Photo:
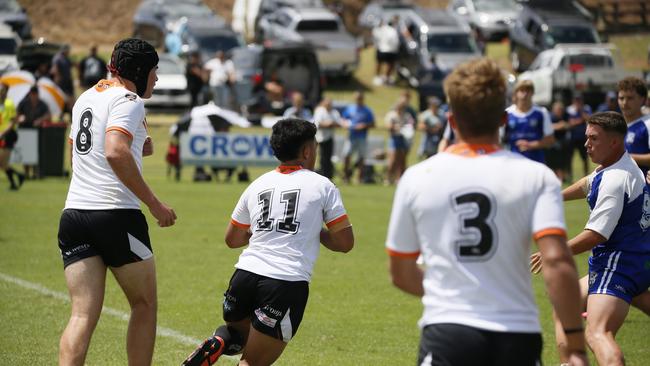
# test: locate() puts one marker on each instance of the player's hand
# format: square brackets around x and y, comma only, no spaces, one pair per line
[522,145]
[147,148]
[163,213]
[578,359]
[535,263]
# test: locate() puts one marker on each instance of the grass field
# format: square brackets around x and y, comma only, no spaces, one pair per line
[354,315]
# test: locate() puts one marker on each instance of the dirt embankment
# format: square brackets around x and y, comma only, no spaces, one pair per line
[82,23]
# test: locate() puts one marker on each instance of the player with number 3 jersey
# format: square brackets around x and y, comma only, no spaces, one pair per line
[280,217]
[470,213]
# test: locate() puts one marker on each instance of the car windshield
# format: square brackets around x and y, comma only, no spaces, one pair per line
[317,26]
[7,46]
[451,43]
[177,10]
[9,6]
[216,42]
[570,34]
[494,5]
[167,67]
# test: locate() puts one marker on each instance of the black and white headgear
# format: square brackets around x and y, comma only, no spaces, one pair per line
[133,59]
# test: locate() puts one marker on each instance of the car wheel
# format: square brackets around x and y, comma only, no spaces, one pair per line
[514,60]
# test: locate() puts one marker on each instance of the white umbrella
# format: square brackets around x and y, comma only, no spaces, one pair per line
[201,113]
[20,82]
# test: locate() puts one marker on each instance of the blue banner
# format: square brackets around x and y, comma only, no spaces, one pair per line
[226,149]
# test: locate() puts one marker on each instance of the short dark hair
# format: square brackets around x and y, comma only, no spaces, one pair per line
[633,84]
[288,137]
[610,122]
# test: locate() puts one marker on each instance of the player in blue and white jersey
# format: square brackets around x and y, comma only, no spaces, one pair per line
[616,232]
[529,130]
[632,94]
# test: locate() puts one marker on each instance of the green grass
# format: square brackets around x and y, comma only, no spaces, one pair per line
[354,315]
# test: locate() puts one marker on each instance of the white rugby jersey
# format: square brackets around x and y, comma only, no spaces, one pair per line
[285,210]
[471,213]
[106,106]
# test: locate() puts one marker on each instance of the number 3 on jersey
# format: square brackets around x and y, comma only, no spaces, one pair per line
[84,139]
[288,224]
[478,235]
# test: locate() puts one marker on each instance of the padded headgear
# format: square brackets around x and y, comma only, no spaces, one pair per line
[133,59]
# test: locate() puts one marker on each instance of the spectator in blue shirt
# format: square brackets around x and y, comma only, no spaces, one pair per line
[358,118]
[610,104]
[632,94]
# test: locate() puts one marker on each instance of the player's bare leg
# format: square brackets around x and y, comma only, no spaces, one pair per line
[642,302]
[261,350]
[85,280]
[391,172]
[560,337]
[605,315]
[347,172]
[229,340]
[138,281]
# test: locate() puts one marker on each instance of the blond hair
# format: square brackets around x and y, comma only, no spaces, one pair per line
[476,91]
[524,84]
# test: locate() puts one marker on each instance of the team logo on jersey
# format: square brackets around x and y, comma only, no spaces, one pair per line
[592,278]
[533,122]
[629,138]
[131,97]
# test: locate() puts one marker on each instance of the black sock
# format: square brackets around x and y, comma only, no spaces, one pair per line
[10,175]
[233,341]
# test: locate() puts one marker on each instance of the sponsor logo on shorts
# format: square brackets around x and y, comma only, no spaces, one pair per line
[77,249]
[273,311]
[265,319]
[620,288]
[592,278]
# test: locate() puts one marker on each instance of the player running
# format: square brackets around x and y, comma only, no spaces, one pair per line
[616,233]
[102,225]
[472,226]
[280,217]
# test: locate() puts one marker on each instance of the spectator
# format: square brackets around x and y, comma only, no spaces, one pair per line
[646,108]
[196,77]
[31,113]
[432,126]
[559,154]
[298,109]
[401,126]
[62,70]
[8,138]
[326,119]
[386,39]
[92,69]
[358,118]
[578,112]
[222,73]
[610,104]
[274,91]
[529,130]
[632,93]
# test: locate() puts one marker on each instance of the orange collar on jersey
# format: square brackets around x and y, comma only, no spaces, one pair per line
[288,169]
[105,84]
[472,150]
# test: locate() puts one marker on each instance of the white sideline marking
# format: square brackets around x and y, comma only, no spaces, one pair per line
[161,331]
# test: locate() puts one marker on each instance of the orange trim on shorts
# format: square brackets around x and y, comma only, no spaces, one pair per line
[288,169]
[239,224]
[472,150]
[120,129]
[393,253]
[550,231]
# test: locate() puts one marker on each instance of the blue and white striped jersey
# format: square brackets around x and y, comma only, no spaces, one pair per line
[637,140]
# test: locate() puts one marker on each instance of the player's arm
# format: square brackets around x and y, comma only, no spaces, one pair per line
[406,274]
[585,241]
[338,236]
[118,154]
[237,235]
[561,279]
[576,190]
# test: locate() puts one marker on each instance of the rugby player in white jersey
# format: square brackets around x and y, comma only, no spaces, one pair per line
[471,213]
[280,217]
[102,226]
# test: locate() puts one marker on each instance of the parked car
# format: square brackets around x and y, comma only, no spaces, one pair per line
[9,42]
[381,10]
[588,68]
[14,15]
[294,66]
[542,24]
[247,13]
[153,19]
[171,87]
[489,18]
[438,40]
[203,36]
[336,49]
